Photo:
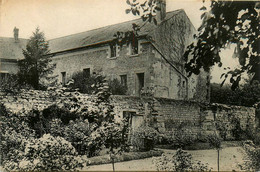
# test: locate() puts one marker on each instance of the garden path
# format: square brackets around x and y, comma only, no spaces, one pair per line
[230,157]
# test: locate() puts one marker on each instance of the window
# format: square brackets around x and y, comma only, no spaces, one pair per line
[86,72]
[63,75]
[113,50]
[140,82]
[123,80]
[134,49]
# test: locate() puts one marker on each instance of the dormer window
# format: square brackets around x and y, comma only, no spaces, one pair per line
[113,50]
[134,49]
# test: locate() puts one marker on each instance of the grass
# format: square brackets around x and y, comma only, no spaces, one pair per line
[125,156]
[201,145]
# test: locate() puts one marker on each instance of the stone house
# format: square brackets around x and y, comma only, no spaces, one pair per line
[10,53]
[153,65]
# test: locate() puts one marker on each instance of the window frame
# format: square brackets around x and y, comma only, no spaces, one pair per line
[113,50]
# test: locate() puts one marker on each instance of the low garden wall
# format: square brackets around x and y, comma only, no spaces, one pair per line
[187,117]
[166,115]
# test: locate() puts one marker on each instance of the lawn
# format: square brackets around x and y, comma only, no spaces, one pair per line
[230,157]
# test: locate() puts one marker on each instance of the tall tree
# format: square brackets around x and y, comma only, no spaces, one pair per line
[36,68]
[225,23]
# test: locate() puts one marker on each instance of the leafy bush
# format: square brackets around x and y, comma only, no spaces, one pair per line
[178,139]
[144,138]
[10,84]
[180,161]
[252,157]
[247,95]
[15,133]
[47,153]
[77,132]
[87,84]
[215,141]
[116,88]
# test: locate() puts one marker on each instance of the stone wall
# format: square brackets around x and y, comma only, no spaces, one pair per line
[196,119]
[166,115]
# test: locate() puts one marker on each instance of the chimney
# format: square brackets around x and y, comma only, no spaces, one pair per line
[161,14]
[16,34]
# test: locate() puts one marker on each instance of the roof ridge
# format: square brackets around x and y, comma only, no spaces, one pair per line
[178,10]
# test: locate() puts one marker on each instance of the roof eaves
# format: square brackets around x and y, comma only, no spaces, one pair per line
[87,46]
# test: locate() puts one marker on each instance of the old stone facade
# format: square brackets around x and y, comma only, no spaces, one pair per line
[153,65]
[156,68]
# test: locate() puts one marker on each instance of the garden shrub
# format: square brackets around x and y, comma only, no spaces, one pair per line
[116,88]
[180,161]
[77,132]
[82,128]
[15,133]
[47,153]
[251,156]
[178,139]
[144,138]
[87,84]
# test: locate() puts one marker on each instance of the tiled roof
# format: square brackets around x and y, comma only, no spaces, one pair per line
[9,49]
[101,34]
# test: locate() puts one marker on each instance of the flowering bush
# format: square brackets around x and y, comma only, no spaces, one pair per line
[144,138]
[47,153]
[76,131]
[180,161]
[14,135]
[44,137]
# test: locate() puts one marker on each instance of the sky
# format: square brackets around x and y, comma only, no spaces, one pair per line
[57,18]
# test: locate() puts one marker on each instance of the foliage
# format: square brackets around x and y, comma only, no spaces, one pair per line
[77,132]
[246,95]
[215,141]
[116,88]
[222,128]
[181,137]
[91,84]
[240,133]
[219,29]
[178,139]
[47,153]
[180,161]
[146,10]
[252,157]
[36,68]
[15,133]
[86,124]
[87,84]
[144,138]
